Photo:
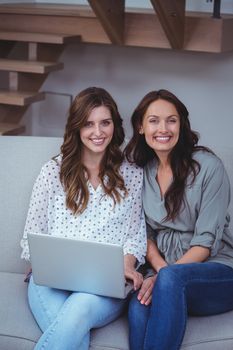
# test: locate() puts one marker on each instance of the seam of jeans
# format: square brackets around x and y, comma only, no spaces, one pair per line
[56,322]
[183,284]
[185,318]
[51,331]
[43,305]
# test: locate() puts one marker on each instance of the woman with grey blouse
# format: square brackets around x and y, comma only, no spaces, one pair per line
[87,192]
[190,248]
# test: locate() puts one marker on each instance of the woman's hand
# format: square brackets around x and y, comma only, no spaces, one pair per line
[145,292]
[135,277]
[130,271]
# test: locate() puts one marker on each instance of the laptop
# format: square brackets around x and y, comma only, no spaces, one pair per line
[77,265]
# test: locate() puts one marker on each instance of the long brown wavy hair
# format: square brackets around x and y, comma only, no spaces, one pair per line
[73,174]
[181,156]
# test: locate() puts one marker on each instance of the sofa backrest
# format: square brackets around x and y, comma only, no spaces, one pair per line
[21,158]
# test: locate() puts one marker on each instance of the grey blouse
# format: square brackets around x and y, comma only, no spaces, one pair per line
[203,220]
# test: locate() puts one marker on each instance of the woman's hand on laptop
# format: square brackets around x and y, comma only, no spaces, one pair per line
[135,277]
[131,273]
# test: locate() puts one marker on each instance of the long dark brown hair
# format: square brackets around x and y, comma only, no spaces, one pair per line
[181,156]
[73,173]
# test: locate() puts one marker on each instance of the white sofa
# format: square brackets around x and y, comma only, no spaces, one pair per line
[21,159]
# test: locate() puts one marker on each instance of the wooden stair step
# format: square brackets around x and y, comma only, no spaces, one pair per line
[11,129]
[47,9]
[29,66]
[40,37]
[20,98]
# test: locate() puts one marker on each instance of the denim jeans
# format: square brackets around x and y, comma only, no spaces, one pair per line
[199,289]
[66,318]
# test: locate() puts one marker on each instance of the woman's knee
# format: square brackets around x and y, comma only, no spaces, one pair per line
[80,304]
[137,313]
[86,306]
[168,278]
[92,310]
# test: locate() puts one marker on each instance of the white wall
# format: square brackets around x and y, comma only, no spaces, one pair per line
[204,82]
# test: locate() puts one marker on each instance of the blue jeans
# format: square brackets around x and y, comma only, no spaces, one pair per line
[199,289]
[66,318]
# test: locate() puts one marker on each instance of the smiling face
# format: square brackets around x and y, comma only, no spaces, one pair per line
[97,132]
[161,127]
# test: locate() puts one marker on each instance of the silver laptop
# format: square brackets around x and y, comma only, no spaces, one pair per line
[77,265]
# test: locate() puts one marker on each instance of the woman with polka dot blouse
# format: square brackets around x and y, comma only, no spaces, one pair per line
[87,192]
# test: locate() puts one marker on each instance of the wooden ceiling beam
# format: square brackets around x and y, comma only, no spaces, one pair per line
[203,33]
[171,14]
[111,16]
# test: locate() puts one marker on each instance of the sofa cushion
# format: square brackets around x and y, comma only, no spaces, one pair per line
[18,329]
[209,333]
[112,336]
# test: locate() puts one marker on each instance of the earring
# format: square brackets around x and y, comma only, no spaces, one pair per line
[141,131]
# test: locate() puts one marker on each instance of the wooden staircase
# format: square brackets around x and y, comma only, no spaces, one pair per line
[20,98]
[25,76]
